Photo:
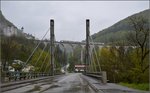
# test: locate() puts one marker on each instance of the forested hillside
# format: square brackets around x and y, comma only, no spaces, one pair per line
[118,31]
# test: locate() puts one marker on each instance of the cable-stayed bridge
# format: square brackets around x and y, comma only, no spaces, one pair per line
[50,79]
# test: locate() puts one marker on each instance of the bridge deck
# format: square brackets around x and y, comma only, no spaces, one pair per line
[70,83]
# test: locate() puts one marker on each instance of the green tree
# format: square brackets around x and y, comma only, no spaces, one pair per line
[9,50]
[139,38]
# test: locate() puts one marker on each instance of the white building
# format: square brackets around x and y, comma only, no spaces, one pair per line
[28,68]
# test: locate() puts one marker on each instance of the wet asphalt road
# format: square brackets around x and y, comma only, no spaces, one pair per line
[70,83]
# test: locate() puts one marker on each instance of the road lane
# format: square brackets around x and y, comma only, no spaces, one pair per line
[72,83]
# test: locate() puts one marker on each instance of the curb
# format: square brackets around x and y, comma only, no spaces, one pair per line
[91,85]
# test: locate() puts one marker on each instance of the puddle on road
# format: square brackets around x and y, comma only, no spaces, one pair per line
[39,85]
[36,88]
[69,87]
[50,87]
[77,89]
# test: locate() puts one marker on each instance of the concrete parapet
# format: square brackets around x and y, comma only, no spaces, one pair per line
[104,77]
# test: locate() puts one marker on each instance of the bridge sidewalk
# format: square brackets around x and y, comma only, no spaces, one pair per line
[109,87]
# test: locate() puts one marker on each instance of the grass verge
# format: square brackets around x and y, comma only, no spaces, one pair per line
[143,86]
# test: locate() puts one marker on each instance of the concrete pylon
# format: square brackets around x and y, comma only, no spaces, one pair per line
[52,38]
[87,56]
[81,56]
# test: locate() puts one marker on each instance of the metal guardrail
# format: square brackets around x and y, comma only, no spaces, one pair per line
[99,75]
[16,76]
[94,75]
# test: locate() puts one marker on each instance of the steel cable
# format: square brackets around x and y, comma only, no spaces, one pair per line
[40,55]
[36,48]
[44,61]
[96,55]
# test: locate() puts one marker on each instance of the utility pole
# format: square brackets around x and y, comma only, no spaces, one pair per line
[52,46]
[87,45]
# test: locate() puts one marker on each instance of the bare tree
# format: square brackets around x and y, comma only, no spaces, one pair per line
[140,37]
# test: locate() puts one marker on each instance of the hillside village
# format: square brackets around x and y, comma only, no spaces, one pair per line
[8,29]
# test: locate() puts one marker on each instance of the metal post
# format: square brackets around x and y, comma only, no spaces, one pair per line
[87,44]
[52,46]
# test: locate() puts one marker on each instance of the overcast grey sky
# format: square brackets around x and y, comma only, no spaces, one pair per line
[69,16]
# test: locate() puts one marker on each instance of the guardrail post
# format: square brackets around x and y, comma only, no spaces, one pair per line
[104,77]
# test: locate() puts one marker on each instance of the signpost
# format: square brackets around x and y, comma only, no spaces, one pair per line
[79,68]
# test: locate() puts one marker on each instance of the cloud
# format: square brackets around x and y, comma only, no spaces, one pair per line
[69,16]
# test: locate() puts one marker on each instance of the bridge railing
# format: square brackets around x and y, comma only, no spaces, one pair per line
[99,75]
[15,76]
